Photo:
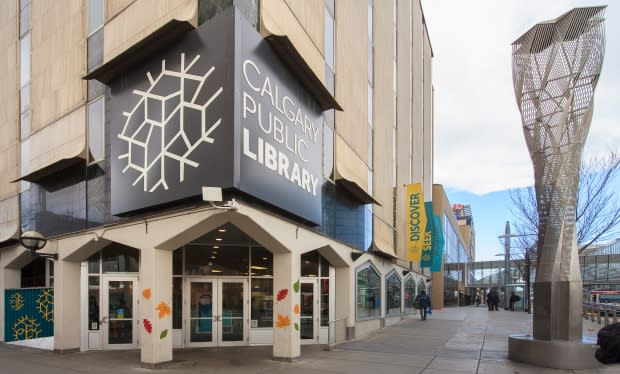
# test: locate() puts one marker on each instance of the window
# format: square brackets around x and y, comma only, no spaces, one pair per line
[393,288]
[96,143]
[409,295]
[118,258]
[262,302]
[368,293]
[329,39]
[95,15]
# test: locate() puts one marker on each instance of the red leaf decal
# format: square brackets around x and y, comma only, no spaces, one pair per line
[282,294]
[147,325]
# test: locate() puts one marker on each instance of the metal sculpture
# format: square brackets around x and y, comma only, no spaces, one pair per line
[555,67]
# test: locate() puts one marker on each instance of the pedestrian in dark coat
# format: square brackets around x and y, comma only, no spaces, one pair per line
[425,302]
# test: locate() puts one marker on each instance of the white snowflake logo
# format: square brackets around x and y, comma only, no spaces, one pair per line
[167,124]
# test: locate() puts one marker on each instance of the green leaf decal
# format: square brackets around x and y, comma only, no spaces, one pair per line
[296,326]
[296,286]
[163,334]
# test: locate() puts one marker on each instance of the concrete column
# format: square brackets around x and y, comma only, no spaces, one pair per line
[155,295]
[67,306]
[345,303]
[10,278]
[286,272]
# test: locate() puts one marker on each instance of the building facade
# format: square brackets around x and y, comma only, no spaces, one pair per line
[210,173]
[450,283]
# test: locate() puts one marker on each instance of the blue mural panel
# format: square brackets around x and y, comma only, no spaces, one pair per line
[28,313]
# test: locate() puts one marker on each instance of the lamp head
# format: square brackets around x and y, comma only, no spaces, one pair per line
[32,240]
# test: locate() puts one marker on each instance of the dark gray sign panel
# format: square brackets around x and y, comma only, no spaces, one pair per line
[217,109]
[280,128]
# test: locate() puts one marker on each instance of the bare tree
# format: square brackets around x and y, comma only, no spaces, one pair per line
[598,208]
[597,217]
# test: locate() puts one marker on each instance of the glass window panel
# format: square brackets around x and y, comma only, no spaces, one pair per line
[369,105]
[310,264]
[24,60]
[329,39]
[95,50]
[201,312]
[324,302]
[95,15]
[24,124]
[23,3]
[370,20]
[95,194]
[249,9]
[207,9]
[328,151]
[232,311]
[95,89]
[614,267]
[24,98]
[262,262]
[118,258]
[33,274]
[177,262]
[368,304]
[324,267]
[96,146]
[93,303]
[330,5]
[177,302]
[370,63]
[409,295]
[393,288]
[262,302]
[306,317]
[330,79]
[370,146]
[223,260]
[328,226]
[93,263]
[24,20]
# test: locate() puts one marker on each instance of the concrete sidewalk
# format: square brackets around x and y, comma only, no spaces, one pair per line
[453,340]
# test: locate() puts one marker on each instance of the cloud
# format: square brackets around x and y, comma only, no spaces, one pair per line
[479,145]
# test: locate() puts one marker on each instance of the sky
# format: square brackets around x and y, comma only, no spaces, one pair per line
[480,151]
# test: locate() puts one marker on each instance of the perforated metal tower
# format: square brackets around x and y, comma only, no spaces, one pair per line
[556,66]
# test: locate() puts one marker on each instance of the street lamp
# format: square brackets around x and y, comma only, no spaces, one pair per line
[34,241]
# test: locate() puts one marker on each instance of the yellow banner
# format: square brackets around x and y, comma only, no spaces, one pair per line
[416,221]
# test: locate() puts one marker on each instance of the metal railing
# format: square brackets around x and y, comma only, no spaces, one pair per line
[603,314]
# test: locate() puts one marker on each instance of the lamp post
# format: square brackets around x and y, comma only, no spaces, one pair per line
[35,241]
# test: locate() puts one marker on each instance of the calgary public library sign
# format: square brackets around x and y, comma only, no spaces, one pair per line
[217,109]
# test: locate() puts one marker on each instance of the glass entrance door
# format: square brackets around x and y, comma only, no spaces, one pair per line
[308,312]
[218,312]
[120,314]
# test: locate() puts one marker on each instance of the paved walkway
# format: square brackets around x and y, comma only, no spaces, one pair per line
[454,340]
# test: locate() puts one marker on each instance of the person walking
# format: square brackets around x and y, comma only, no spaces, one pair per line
[477,300]
[493,300]
[425,303]
[513,299]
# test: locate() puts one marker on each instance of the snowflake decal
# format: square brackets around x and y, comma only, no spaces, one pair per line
[16,302]
[45,305]
[26,328]
[168,124]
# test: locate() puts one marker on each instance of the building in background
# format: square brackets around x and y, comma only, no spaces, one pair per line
[122,122]
[450,284]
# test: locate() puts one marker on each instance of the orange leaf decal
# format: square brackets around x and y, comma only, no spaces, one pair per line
[283,321]
[163,309]
[147,293]
[296,309]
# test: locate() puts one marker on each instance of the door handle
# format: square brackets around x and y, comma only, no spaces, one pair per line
[104,319]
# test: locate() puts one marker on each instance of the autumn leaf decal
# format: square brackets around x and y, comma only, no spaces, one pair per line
[146,293]
[282,294]
[296,286]
[296,326]
[147,325]
[163,334]
[296,309]
[163,309]
[282,321]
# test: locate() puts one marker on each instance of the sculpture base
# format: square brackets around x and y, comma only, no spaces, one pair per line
[556,354]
